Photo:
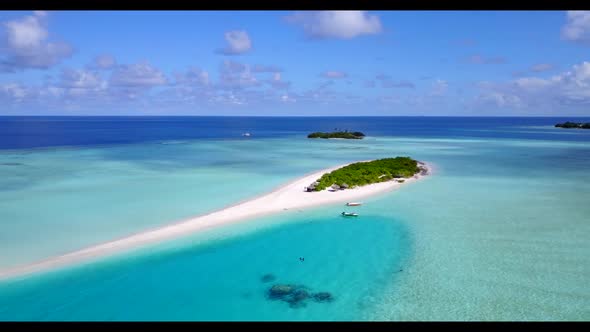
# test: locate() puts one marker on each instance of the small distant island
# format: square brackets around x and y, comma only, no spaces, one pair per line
[338,134]
[364,173]
[578,125]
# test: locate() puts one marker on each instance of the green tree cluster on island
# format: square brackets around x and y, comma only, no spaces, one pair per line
[363,173]
[574,125]
[338,134]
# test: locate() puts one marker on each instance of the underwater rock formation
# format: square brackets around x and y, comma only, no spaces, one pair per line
[268,277]
[323,297]
[296,296]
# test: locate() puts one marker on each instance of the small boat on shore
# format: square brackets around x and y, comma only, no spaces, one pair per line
[354,204]
[349,214]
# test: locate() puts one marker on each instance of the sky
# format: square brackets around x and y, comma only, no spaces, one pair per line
[278,63]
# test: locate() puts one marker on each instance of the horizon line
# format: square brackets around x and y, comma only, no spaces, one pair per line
[307,116]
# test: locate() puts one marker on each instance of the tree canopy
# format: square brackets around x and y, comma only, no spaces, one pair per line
[363,173]
[337,134]
[573,125]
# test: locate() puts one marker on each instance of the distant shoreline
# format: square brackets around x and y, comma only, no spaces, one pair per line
[337,134]
[289,196]
[573,125]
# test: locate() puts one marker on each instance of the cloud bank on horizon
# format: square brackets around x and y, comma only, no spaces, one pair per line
[298,63]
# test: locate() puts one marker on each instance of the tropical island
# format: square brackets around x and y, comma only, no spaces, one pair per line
[578,125]
[338,134]
[285,198]
[368,172]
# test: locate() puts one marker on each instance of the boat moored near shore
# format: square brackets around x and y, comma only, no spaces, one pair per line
[350,214]
[354,204]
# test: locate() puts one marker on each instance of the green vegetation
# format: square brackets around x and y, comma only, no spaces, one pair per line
[363,173]
[338,134]
[573,125]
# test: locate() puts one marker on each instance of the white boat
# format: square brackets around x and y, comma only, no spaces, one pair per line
[354,204]
[349,214]
[246,134]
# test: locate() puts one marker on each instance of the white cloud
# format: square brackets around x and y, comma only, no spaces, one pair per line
[439,88]
[571,87]
[400,84]
[340,24]
[40,13]
[229,66]
[577,27]
[369,84]
[236,84]
[238,42]
[541,67]
[288,99]
[51,91]
[387,82]
[479,59]
[389,100]
[278,83]
[334,74]
[266,69]
[383,77]
[234,75]
[15,92]
[25,33]
[78,82]
[104,61]
[499,99]
[137,75]
[194,76]
[27,44]
[531,83]
[575,84]
[81,79]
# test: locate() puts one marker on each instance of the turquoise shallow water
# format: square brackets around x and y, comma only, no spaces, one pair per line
[499,232]
[221,280]
[68,198]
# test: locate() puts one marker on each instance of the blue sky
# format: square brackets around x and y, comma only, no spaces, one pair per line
[295,63]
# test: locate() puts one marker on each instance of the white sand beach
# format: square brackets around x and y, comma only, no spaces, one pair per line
[289,196]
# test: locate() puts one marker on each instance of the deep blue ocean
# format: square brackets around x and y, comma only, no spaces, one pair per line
[40,131]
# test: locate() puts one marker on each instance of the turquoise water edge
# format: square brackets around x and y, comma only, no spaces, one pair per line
[498,232]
